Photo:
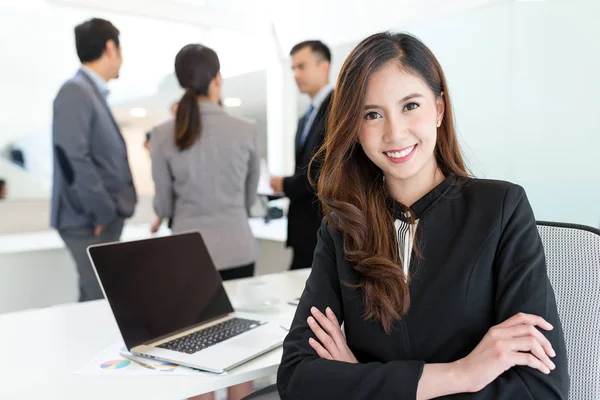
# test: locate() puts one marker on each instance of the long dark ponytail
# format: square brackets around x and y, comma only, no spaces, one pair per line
[195,67]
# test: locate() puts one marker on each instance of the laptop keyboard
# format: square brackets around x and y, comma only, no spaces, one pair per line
[210,336]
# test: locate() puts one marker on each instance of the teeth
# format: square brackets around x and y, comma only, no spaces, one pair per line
[399,154]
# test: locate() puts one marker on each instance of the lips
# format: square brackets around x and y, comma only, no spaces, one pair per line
[401,155]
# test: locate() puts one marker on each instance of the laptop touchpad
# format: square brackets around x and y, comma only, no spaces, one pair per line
[256,340]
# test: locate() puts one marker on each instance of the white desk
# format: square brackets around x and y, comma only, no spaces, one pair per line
[274,230]
[41,350]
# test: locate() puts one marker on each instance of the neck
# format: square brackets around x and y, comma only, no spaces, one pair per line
[97,68]
[315,92]
[213,96]
[204,99]
[408,191]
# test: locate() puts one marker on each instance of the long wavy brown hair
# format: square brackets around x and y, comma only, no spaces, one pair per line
[350,186]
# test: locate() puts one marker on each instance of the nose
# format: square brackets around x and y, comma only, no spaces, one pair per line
[396,130]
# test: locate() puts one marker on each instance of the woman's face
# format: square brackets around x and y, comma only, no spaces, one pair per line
[401,115]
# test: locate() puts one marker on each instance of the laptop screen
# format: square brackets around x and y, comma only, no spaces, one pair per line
[158,286]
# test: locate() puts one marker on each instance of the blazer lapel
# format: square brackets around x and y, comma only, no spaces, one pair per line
[308,143]
[301,124]
[103,101]
[317,124]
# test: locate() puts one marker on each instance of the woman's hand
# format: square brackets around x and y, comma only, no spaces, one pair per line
[504,346]
[332,343]
[155,226]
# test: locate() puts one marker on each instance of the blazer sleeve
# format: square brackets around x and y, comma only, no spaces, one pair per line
[304,375]
[253,171]
[72,126]
[163,180]
[523,286]
[297,186]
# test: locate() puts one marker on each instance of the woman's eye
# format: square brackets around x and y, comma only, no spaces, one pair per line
[411,106]
[372,115]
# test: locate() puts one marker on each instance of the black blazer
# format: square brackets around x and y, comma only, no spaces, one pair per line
[482,262]
[305,214]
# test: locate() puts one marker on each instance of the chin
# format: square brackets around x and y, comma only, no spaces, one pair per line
[401,176]
[401,172]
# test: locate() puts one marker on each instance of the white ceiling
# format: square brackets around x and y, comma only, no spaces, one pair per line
[333,21]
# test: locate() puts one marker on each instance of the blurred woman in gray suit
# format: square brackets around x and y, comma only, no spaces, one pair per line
[205,166]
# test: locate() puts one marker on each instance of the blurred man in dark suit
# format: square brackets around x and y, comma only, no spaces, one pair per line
[311,63]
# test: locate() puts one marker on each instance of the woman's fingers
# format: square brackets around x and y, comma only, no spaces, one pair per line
[321,352]
[331,315]
[529,360]
[523,318]
[326,341]
[330,327]
[530,330]
[524,344]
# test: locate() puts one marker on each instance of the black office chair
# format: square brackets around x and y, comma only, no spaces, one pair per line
[573,260]
[267,393]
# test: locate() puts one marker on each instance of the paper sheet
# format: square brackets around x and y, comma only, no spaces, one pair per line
[110,362]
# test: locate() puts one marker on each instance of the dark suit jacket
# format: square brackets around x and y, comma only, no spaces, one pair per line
[482,261]
[92,180]
[305,214]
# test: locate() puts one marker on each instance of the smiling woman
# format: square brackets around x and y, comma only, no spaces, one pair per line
[439,279]
[395,127]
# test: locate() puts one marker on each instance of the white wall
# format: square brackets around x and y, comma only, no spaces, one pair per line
[523,78]
[44,57]
[23,183]
[524,81]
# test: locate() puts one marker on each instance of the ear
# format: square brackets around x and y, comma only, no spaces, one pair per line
[441,107]
[325,66]
[111,48]
[218,79]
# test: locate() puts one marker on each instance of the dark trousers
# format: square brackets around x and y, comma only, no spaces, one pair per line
[77,240]
[244,271]
[302,257]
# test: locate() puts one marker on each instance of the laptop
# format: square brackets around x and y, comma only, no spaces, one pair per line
[169,302]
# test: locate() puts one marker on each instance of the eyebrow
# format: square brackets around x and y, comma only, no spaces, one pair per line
[402,100]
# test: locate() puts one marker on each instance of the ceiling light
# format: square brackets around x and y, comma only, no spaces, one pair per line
[138,112]
[232,102]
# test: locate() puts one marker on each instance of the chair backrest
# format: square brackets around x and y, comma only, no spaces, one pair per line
[573,260]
